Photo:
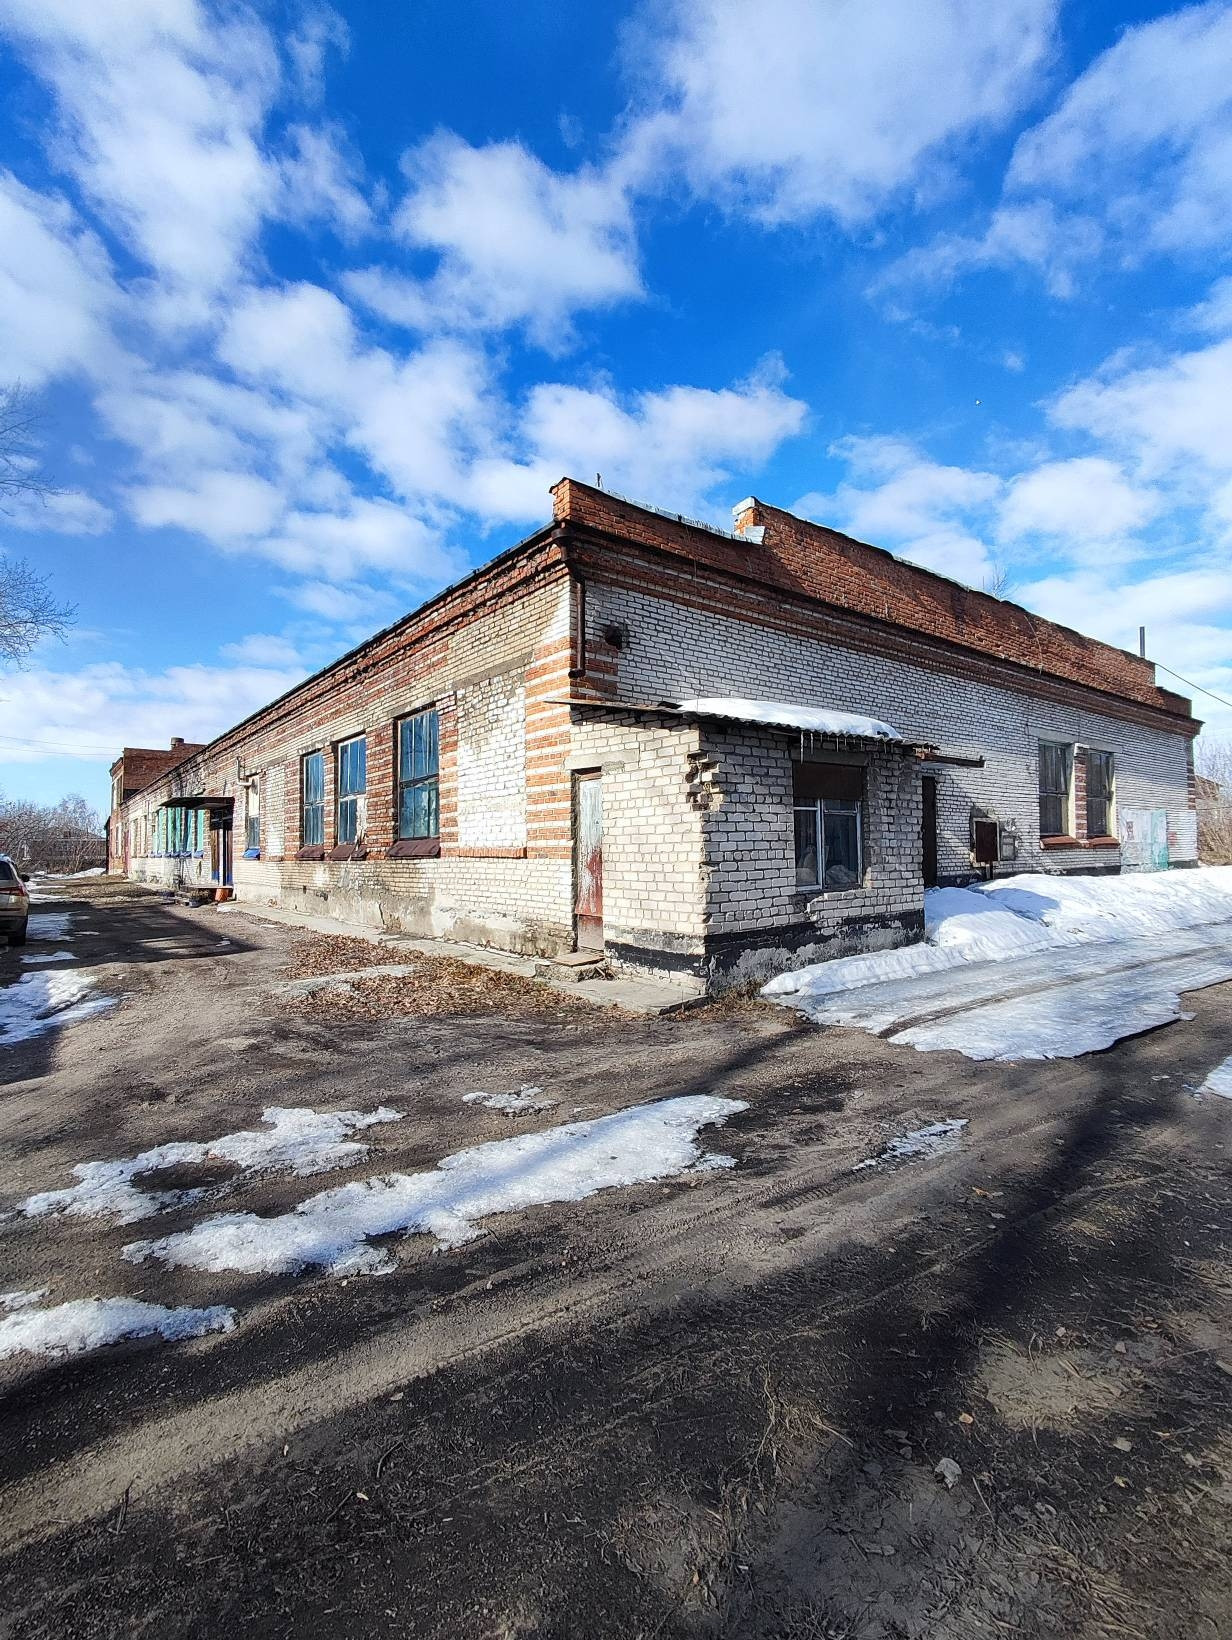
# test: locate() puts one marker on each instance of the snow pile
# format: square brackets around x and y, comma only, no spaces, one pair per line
[817,720]
[562,1164]
[303,1140]
[526,1100]
[49,925]
[1219,1081]
[48,956]
[934,1140]
[1034,967]
[1083,909]
[89,1323]
[40,1002]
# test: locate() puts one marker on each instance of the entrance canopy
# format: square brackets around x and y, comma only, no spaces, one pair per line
[216,805]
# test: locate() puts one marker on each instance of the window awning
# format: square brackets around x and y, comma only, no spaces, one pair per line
[202,800]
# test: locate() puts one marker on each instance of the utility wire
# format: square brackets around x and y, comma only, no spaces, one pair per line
[58,745]
[1190,684]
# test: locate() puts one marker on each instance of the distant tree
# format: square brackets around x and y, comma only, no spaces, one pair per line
[29,609]
[65,836]
[1213,762]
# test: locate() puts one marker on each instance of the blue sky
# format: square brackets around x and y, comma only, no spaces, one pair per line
[317,303]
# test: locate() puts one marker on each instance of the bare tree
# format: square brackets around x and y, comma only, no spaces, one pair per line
[66,836]
[29,610]
[19,467]
[1213,763]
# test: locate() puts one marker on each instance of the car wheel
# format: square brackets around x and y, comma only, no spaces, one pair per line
[18,936]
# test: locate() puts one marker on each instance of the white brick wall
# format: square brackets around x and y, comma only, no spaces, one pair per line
[673,653]
[492,762]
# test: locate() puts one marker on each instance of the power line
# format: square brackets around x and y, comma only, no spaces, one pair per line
[1190,684]
[58,746]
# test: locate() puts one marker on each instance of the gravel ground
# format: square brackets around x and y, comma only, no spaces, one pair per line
[712,1406]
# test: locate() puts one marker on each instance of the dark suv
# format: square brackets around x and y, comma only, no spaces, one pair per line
[14,903]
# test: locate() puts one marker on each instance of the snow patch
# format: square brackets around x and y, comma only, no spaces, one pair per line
[817,720]
[526,1100]
[562,1164]
[48,956]
[303,1140]
[1034,967]
[1219,1080]
[89,1323]
[934,1140]
[22,1301]
[49,925]
[41,1002]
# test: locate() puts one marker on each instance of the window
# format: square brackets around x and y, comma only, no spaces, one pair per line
[418,776]
[312,813]
[352,789]
[252,815]
[1056,767]
[829,832]
[1100,776]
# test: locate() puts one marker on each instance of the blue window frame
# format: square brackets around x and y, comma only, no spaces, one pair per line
[312,807]
[419,776]
[352,789]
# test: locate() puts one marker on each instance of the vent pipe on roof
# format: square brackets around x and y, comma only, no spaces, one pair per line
[747,520]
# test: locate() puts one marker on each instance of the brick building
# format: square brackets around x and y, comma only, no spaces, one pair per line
[714,754]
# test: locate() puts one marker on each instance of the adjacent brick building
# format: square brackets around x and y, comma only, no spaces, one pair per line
[608,736]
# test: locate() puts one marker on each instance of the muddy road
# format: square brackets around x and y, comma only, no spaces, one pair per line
[710,1405]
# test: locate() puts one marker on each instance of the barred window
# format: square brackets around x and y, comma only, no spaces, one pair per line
[352,789]
[419,776]
[1056,772]
[1100,779]
[312,811]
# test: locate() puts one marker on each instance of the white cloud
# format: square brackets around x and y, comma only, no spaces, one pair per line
[920,509]
[224,507]
[517,242]
[264,649]
[791,109]
[1145,134]
[671,447]
[1034,234]
[160,115]
[56,289]
[63,512]
[322,182]
[1167,415]
[1135,159]
[344,605]
[308,45]
[95,709]
[370,535]
[1086,499]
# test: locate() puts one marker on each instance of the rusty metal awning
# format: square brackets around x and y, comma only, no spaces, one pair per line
[202,800]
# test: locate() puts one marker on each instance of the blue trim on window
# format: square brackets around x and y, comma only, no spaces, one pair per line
[252,854]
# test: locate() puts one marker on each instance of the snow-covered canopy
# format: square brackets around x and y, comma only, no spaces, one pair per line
[818,720]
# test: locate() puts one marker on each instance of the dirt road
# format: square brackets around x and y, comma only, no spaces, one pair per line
[709,1406]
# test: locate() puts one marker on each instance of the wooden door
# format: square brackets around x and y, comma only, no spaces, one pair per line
[588,861]
[928,791]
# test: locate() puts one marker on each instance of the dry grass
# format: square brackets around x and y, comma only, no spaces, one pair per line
[437,985]
[340,954]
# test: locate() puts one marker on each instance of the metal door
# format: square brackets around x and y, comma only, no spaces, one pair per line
[928,791]
[588,861]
